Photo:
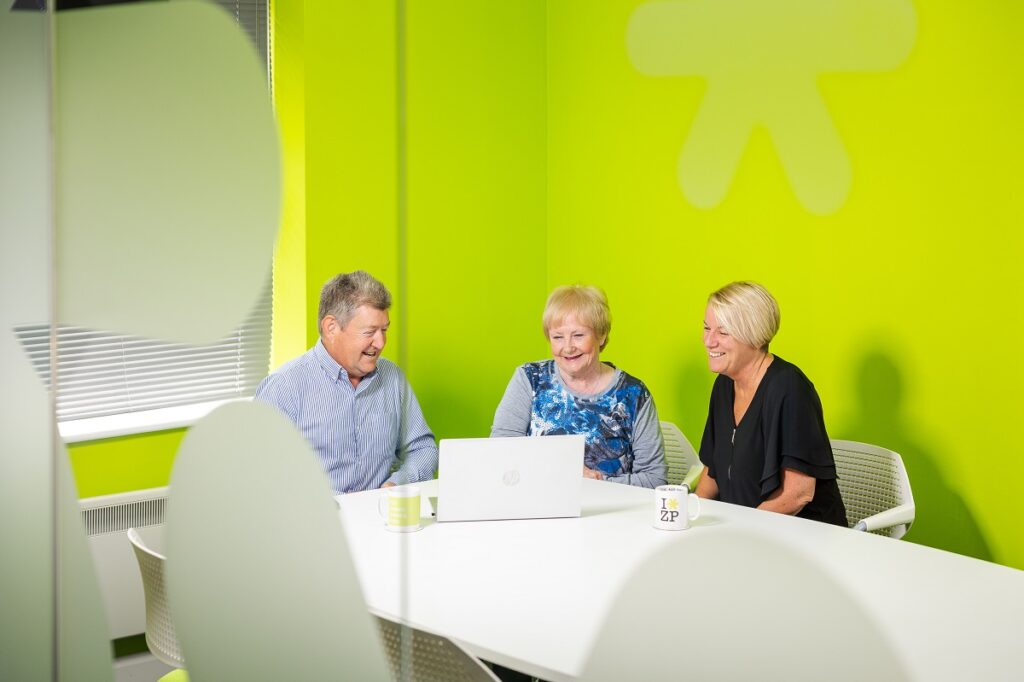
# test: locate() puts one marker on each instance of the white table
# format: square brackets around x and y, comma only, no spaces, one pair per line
[532,595]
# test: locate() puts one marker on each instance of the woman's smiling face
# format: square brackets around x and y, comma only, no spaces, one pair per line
[726,354]
[575,347]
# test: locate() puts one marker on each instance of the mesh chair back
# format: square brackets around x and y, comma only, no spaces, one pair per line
[427,657]
[160,636]
[683,463]
[872,480]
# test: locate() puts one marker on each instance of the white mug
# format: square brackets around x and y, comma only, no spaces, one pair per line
[672,507]
[400,507]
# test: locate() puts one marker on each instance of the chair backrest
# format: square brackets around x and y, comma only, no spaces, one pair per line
[261,581]
[872,480]
[684,465]
[160,636]
[419,656]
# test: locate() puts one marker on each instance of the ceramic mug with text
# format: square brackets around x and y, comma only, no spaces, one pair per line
[675,507]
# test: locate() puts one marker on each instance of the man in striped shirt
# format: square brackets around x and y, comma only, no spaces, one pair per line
[355,408]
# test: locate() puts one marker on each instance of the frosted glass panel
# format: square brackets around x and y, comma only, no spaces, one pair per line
[27,648]
[168,180]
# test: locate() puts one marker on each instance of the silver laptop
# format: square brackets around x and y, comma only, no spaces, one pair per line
[531,477]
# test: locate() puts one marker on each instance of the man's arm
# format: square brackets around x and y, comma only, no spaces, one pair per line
[417,450]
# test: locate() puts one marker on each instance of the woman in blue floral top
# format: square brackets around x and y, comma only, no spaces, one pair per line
[576,393]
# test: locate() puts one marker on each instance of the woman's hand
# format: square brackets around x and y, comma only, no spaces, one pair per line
[591,473]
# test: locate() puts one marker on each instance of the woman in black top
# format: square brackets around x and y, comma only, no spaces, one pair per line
[765,443]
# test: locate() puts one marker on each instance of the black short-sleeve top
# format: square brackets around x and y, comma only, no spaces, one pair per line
[783,428]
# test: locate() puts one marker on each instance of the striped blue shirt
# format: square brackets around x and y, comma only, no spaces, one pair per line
[364,436]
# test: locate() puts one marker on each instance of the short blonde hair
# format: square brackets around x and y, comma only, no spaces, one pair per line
[748,312]
[587,304]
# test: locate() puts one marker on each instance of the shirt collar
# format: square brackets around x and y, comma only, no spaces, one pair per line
[329,364]
[333,369]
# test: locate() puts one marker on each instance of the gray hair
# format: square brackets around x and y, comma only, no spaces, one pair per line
[344,293]
[748,312]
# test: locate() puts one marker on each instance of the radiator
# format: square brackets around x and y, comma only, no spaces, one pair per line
[107,520]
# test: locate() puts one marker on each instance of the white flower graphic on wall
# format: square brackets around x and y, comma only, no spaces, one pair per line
[760,60]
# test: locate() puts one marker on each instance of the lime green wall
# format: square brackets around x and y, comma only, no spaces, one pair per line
[288,77]
[472,84]
[350,146]
[476,204]
[880,297]
[891,304]
[115,465]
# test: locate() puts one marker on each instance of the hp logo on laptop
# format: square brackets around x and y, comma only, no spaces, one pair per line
[510,477]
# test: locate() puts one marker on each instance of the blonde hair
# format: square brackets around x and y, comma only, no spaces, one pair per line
[748,312]
[587,304]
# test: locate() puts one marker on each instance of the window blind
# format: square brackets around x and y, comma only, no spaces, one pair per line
[102,374]
[251,16]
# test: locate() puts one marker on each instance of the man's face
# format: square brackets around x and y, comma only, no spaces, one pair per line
[358,344]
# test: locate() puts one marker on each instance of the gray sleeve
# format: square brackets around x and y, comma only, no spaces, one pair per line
[649,469]
[512,418]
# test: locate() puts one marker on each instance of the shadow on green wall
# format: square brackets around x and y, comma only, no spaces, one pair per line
[692,392]
[943,520]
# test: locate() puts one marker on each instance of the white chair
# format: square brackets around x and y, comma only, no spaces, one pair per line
[260,578]
[684,467]
[418,656]
[875,488]
[160,636]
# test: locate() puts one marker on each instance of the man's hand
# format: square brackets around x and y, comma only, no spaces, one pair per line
[387,484]
[590,473]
